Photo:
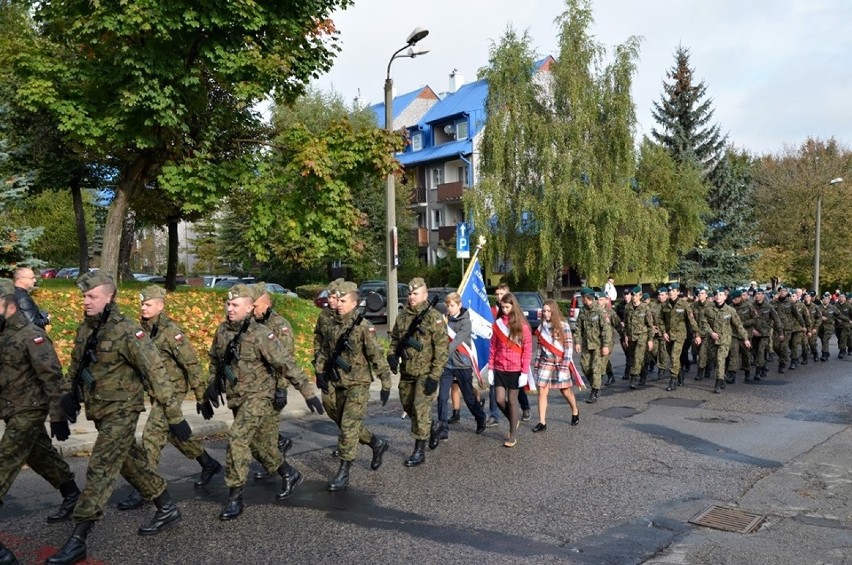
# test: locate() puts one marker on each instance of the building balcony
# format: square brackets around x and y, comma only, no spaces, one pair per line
[418,196]
[450,191]
[447,233]
[421,236]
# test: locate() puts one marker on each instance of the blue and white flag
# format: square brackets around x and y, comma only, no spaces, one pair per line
[475,299]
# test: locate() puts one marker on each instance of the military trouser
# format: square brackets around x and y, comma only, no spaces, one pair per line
[269,427]
[674,349]
[825,335]
[417,404]
[782,348]
[797,345]
[704,353]
[156,434]
[250,437]
[661,354]
[637,354]
[115,452]
[350,410]
[593,365]
[759,345]
[811,342]
[718,354]
[738,356]
[844,338]
[25,441]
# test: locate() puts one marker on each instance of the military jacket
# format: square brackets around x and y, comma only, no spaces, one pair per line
[324,321]
[814,315]
[675,317]
[767,318]
[640,323]
[179,356]
[127,363]
[831,314]
[362,352]
[724,321]
[791,318]
[846,310]
[432,336]
[279,324]
[804,314]
[30,373]
[617,326]
[656,308]
[748,316]
[697,309]
[262,364]
[594,329]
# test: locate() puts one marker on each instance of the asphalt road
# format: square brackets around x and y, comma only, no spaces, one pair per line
[619,488]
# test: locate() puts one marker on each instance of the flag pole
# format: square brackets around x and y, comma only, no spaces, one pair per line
[467,273]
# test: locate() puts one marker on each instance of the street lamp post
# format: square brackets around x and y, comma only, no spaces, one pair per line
[838,180]
[408,50]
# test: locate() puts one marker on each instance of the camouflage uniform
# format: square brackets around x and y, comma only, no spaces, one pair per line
[844,328]
[592,334]
[739,357]
[831,317]
[766,321]
[790,320]
[638,328]
[327,318]
[798,341]
[814,309]
[698,308]
[660,354]
[724,322]
[675,316]
[617,329]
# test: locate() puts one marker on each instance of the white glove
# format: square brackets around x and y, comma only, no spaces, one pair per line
[490,377]
[523,380]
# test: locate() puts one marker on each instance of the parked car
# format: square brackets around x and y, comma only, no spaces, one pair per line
[441,292]
[67,273]
[380,288]
[278,289]
[576,304]
[143,277]
[531,303]
[322,299]
[48,273]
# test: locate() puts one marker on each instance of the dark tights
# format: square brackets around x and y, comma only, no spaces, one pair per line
[509,407]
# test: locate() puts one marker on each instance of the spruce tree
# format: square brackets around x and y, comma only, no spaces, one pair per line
[16,241]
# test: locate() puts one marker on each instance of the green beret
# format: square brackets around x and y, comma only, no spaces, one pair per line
[701,287]
[259,289]
[662,290]
[737,294]
[7,287]
[586,291]
[416,283]
[346,287]
[241,291]
[826,295]
[332,286]
[674,286]
[152,291]
[646,296]
[88,281]
[637,289]
[811,293]
[721,289]
[628,290]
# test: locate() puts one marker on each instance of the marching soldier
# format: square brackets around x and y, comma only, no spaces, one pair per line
[592,340]
[638,327]
[844,328]
[419,339]
[111,358]
[798,340]
[240,359]
[720,321]
[814,310]
[831,317]
[343,364]
[675,317]
[790,320]
[739,356]
[700,340]
[762,330]
[181,363]
[30,381]
[324,322]
[617,329]
[659,356]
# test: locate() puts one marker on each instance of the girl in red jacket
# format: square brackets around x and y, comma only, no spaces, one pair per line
[511,352]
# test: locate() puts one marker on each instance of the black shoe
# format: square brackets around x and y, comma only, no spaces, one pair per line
[804,360]
[719,386]
[209,467]
[235,505]
[633,380]
[610,379]
[132,502]
[700,374]
[455,418]
[575,419]
[167,513]
[816,356]
[284,444]
[418,456]
[793,365]
[70,494]
[671,386]
[680,375]
[74,549]
[781,368]
[435,434]
[379,446]
[748,375]
[731,378]
[480,427]
[341,479]
[525,415]
[290,479]
[539,428]
[7,557]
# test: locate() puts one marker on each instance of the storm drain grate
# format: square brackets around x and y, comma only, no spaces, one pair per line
[728,519]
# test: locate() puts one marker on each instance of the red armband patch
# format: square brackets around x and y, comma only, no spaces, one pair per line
[178,337]
[271,337]
[140,334]
[372,330]
[38,340]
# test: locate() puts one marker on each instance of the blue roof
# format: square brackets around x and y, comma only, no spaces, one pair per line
[400,103]
[465,147]
[468,99]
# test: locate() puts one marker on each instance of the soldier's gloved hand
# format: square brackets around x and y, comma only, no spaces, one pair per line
[384,396]
[279,401]
[315,405]
[430,386]
[181,430]
[393,363]
[322,384]
[212,394]
[60,430]
[205,409]
[68,403]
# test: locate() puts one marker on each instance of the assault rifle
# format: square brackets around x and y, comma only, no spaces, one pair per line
[408,339]
[335,363]
[225,373]
[71,402]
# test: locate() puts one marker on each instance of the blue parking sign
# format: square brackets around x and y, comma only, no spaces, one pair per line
[462,241]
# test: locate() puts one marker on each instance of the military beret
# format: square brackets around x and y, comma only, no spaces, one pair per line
[721,289]
[88,281]
[332,286]
[241,291]
[662,290]
[674,286]
[346,287]
[758,289]
[152,291]
[646,296]
[737,294]
[811,293]
[259,289]
[7,287]
[826,295]
[637,289]
[628,290]
[416,283]
[587,291]
[780,288]
[701,287]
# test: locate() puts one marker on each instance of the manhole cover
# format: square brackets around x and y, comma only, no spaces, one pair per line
[618,412]
[679,402]
[728,519]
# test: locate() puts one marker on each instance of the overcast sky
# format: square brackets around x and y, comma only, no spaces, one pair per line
[777,70]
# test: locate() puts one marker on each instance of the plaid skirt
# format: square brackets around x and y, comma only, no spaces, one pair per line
[552,375]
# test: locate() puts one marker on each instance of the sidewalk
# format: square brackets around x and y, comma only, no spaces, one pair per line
[84,434]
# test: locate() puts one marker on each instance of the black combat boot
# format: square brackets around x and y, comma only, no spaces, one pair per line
[284,445]
[748,374]
[680,375]
[167,513]
[731,378]
[132,502]
[455,418]
[781,367]
[700,374]
[816,356]
[7,557]
[633,380]
[235,505]
[804,360]
[841,354]
[418,456]
[341,479]
[672,385]
[610,379]
[70,494]
[379,446]
[74,549]
[593,396]
[435,434]
[290,479]
[209,467]
[720,384]
[825,356]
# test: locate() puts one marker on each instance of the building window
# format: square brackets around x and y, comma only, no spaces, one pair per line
[436,177]
[436,219]
[461,131]
[462,172]
[417,142]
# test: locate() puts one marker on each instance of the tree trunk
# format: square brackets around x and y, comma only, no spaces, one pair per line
[80,220]
[128,232]
[132,177]
[172,262]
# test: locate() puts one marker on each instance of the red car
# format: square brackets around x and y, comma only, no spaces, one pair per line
[48,273]
[322,299]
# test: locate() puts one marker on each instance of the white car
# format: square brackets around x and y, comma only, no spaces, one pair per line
[278,289]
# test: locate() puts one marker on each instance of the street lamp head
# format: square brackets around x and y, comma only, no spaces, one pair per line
[838,180]
[414,52]
[416,35]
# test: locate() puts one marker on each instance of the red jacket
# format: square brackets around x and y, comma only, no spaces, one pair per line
[505,358]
